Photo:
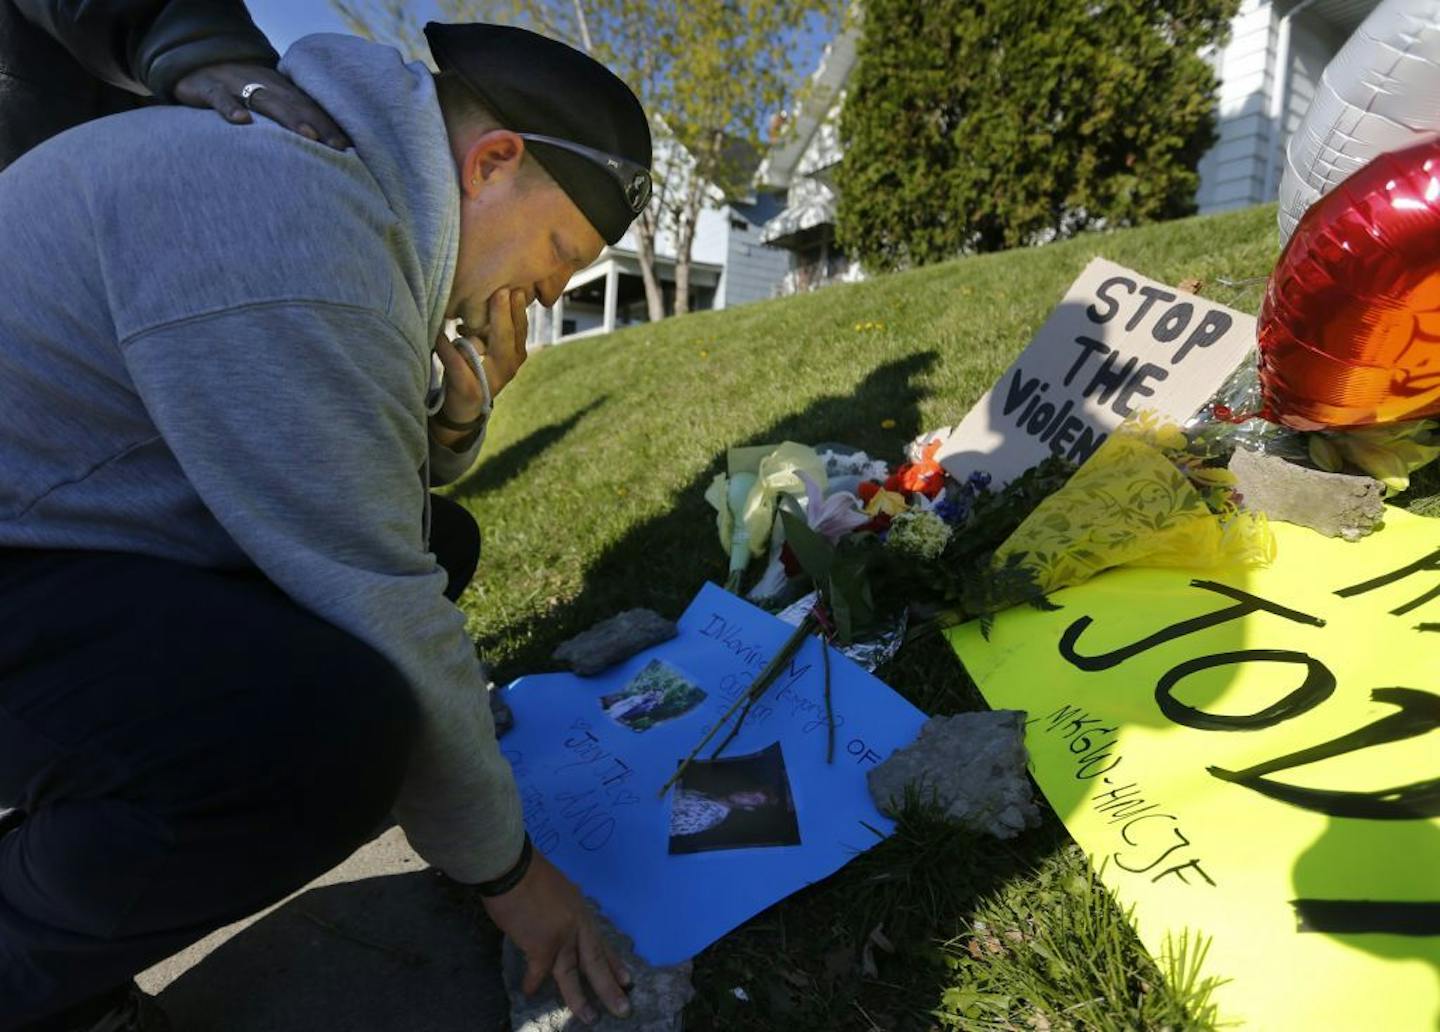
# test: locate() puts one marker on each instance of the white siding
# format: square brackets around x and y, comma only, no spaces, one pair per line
[710,240]
[753,270]
[1233,172]
[1261,104]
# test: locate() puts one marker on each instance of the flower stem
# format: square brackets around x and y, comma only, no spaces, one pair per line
[829,705]
[768,676]
[757,688]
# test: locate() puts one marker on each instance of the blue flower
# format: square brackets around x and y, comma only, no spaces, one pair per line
[953,511]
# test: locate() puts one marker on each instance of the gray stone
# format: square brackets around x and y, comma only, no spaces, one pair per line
[613,640]
[658,995]
[1335,504]
[972,765]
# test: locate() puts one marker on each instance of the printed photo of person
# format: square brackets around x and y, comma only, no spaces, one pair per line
[656,694]
[734,803]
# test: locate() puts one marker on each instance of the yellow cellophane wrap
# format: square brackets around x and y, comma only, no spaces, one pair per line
[1130,505]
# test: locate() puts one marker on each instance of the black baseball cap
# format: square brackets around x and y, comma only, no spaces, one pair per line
[581,122]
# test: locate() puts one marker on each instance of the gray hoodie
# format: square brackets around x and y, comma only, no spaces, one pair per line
[214,347]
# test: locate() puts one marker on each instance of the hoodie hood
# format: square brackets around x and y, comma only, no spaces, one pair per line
[388,108]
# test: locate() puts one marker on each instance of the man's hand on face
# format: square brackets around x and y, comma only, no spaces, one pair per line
[504,351]
[505,337]
[547,919]
[218,86]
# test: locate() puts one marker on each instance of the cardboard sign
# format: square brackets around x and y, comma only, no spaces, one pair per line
[737,833]
[1117,343]
[1254,757]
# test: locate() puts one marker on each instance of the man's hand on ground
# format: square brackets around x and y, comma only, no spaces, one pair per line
[218,86]
[547,919]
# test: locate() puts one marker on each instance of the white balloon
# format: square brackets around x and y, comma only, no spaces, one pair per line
[1380,93]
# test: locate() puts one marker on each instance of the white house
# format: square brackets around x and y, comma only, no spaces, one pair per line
[1268,74]
[729,265]
[803,165]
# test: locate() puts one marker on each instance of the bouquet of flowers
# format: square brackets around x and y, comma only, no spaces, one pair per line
[869,545]
[873,546]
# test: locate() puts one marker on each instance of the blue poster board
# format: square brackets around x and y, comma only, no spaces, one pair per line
[590,755]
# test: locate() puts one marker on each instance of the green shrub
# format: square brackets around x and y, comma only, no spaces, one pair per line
[977,125]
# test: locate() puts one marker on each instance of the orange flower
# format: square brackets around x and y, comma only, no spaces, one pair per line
[925,477]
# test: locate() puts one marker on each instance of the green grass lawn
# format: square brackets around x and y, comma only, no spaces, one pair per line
[590,497]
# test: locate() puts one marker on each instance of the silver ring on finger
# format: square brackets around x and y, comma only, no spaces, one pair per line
[249,90]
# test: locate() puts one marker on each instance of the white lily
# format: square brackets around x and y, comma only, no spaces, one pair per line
[833,517]
[774,580]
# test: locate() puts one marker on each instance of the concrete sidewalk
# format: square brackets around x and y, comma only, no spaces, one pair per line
[380,944]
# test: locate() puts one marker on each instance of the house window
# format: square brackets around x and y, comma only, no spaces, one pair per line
[738,225]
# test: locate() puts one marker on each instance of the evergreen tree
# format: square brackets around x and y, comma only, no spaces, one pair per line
[976,125]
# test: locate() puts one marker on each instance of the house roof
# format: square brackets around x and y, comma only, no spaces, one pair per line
[824,89]
[787,227]
[1342,15]
[761,210]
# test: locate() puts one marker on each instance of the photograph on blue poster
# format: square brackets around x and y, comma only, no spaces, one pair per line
[656,694]
[733,803]
[776,809]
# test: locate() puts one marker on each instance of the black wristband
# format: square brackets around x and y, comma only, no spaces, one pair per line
[450,424]
[512,877]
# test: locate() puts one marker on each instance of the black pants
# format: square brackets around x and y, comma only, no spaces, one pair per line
[183,747]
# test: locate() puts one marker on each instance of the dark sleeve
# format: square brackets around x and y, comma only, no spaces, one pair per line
[150,45]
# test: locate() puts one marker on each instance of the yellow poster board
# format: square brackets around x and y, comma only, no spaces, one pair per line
[1254,756]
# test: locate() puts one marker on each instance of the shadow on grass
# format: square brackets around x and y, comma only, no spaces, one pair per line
[498,470]
[661,563]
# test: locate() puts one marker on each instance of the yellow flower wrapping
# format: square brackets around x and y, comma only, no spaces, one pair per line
[717,494]
[779,474]
[1130,506]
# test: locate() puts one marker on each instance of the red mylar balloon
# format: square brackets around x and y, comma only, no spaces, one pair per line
[1350,328]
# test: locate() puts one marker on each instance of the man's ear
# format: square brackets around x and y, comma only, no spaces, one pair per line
[492,158]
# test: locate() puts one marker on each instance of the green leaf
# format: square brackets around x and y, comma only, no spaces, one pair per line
[849,597]
[814,553]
